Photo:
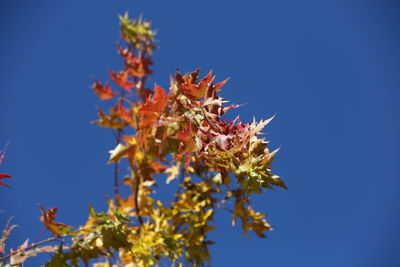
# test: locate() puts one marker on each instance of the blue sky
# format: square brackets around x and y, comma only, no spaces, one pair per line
[329,70]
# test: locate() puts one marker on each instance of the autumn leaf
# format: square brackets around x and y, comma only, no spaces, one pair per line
[122,79]
[220,84]
[189,86]
[124,114]
[153,106]
[112,121]
[2,176]
[187,143]
[157,102]
[119,152]
[137,66]
[203,85]
[104,92]
[56,228]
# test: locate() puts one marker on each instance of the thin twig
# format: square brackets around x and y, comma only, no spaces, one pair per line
[41,243]
[116,167]
[208,121]
[225,208]
[137,177]
[178,190]
[29,247]
[136,195]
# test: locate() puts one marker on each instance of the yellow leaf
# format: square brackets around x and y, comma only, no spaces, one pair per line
[117,153]
[173,172]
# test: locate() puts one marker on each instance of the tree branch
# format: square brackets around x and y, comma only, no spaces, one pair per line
[28,247]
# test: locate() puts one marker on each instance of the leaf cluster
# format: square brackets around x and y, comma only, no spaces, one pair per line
[181,133]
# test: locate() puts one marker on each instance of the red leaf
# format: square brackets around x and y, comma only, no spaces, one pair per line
[121,78]
[220,84]
[6,176]
[3,175]
[188,84]
[160,97]
[124,113]
[205,82]
[56,228]
[187,144]
[138,67]
[152,107]
[105,92]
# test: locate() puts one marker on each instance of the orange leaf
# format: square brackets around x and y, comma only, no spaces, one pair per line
[152,107]
[220,84]
[138,67]
[124,114]
[105,92]
[121,78]
[188,84]
[204,83]
[110,121]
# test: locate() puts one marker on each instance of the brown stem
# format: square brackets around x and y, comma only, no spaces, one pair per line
[136,195]
[208,121]
[227,209]
[116,169]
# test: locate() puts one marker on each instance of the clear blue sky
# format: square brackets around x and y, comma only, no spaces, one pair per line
[329,70]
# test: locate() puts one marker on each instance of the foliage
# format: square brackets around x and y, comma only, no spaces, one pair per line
[182,134]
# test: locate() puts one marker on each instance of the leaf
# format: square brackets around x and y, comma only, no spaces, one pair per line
[187,144]
[153,107]
[124,114]
[119,152]
[173,172]
[157,103]
[59,259]
[112,121]
[188,84]
[104,92]
[122,79]
[137,67]
[2,176]
[204,84]
[217,179]
[220,84]
[56,228]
